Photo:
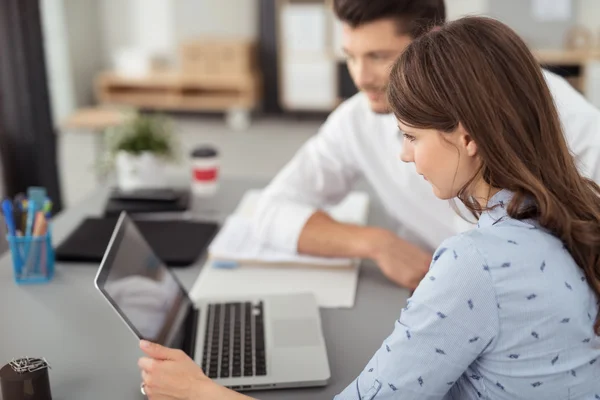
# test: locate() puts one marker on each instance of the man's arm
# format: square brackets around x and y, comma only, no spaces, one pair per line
[321,174]
[290,217]
[402,262]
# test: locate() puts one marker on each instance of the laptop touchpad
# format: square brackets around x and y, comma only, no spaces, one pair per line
[295,333]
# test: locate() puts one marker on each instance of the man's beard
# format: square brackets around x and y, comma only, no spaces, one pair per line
[382,111]
[381,91]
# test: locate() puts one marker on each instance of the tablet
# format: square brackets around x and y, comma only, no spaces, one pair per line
[140,288]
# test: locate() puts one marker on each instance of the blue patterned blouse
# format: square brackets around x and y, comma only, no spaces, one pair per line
[503,313]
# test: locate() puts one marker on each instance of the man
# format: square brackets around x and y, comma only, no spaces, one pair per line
[360,139]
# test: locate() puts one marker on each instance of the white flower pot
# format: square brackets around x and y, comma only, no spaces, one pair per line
[144,171]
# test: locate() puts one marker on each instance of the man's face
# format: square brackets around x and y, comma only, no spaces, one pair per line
[371,50]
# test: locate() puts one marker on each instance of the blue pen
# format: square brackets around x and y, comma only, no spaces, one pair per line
[8,216]
[7,209]
[225,264]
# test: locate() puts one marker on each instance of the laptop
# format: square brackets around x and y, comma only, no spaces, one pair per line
[242,343]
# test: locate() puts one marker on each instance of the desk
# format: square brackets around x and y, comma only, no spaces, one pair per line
[93,355]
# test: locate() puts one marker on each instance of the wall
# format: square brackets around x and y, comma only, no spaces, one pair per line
[85,45]
[222,18]
[162,24]
[116,29]
[60,79]
[586,13]
[72,41]
[459,8]
[152,23]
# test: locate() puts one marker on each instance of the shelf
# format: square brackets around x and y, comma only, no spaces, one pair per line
[179,91]
[565,57]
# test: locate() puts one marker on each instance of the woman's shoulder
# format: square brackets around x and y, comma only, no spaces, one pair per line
[505,245]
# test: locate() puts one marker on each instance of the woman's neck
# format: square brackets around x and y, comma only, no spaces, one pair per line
[483,192]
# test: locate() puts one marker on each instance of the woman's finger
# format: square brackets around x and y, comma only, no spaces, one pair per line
[145,377]
[157,351]
[147,363]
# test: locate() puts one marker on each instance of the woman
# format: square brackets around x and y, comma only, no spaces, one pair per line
[508,310]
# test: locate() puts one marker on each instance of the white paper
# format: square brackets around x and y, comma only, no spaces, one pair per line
[552,10]
[333,288]
[304,28]
[309,84]
[338,41]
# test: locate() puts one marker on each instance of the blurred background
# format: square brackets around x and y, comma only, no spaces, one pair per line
[252,78]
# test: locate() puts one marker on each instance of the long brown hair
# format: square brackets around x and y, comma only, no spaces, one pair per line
[478,72]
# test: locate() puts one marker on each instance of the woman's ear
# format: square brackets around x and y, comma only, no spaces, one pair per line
[467,141]
[471,146]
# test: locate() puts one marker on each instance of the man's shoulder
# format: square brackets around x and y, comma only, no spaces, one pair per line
[566,98]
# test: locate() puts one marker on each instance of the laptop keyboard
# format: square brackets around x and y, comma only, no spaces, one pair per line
[234,341]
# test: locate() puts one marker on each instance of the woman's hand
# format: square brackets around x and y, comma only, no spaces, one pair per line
[171,374]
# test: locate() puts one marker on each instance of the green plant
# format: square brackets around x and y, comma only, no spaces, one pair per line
[144,133]
[140,133]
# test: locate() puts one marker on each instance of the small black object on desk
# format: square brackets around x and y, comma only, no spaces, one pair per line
[25,379]
[147,201]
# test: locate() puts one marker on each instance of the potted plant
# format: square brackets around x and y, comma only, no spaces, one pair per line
[139,149]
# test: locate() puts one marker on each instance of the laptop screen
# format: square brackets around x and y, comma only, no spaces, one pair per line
[141,288]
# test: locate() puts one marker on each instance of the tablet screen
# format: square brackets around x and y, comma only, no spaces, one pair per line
[142,290]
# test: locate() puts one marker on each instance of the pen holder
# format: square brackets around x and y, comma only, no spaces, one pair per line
[32,257]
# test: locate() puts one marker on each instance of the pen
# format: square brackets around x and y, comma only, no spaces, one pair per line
[8,216]
[10,223]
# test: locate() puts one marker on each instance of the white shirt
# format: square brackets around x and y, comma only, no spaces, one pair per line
[355,142]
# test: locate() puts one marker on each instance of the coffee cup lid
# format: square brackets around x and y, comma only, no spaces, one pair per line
[204,152]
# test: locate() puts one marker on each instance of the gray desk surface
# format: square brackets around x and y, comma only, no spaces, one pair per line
[94,356]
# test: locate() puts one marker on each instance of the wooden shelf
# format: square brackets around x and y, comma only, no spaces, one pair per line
[179,91]
[565,57]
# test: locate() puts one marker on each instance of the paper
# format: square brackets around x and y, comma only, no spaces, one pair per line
[235,240]
[309,84]
[304,28]
[552,10]
[338,39]
[333,288]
